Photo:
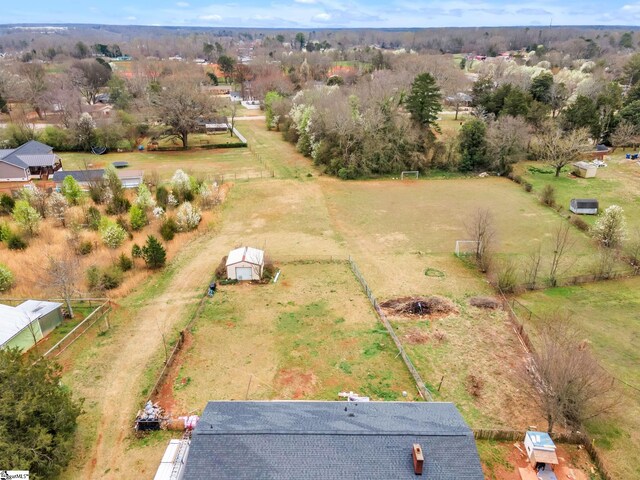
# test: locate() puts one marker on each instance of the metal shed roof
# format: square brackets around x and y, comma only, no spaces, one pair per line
[245,254]
[15,319]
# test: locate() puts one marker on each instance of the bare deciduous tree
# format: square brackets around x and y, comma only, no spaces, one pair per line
[562,244]
[61,275]
[532,268]
[625,135]
[568,383]
[559,148]
[480,227]
[507,139]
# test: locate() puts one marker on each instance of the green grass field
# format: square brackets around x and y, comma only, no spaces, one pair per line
[617,184]
[309,336]
[607,314]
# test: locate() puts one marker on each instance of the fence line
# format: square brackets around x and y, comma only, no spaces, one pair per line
[176,350]
[585,278]
[301,259]
[102,310]
[422,388]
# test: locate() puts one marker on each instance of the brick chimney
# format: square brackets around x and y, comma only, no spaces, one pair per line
[418,459]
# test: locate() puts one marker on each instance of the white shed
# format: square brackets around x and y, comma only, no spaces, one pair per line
[245,263]
[585,169]
[540,448]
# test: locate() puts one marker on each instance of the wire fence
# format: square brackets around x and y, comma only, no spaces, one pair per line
[101,311]
[422,388]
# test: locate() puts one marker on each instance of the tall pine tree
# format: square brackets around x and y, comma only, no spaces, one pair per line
[424,101]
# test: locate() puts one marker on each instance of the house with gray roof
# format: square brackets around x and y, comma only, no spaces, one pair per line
[332,440]
[30,160]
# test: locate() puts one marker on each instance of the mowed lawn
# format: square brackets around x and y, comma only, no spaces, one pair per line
[200,163]
[308,336]
[608,315]
[617,184]
[398,229]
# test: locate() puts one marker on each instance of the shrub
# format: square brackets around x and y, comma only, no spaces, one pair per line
[93,277]
[5,232]
[118,205]
[123,145]
[93,218]
[113,235]
[153,253]
[579,223]
[528,187]
[610,229]
[144,199]
[85,247]
[6,204]
[181,185]
[71,190]
[507,277]
[136,251]
[57,207]
[548,196]
[168,229]
[162,197]
[111,277]
[125,263]
[137,217]
[188,217]
[6,278]
[16,242]
[26,217]
[221,270]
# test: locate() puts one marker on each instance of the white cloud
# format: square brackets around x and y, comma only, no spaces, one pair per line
[182,4]
[132,18]
[321,17]
[211,18]
[307,2]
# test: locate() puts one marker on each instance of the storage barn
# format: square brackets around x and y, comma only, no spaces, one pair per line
[245,263]
[540,448]
[29,321]
[585,169]
[584,206]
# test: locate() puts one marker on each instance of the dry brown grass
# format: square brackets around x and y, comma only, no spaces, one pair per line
[29,265]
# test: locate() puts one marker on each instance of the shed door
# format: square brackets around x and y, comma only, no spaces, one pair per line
[243,273]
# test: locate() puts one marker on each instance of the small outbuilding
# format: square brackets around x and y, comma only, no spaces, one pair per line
[584,206]
[245,263]
[585,169]
[541,450]
[28,323]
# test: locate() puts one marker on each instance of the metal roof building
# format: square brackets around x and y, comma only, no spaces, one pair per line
[245,263]
[27,323]
[331,440]
[28,160]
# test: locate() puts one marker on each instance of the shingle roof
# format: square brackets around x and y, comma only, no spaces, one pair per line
[79,175]
[30,154]
[309,440]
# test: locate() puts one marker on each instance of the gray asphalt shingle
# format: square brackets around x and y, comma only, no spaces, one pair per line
[320,440]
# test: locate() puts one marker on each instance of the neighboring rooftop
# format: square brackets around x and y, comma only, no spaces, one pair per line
[30,154]
[331,440]
[14,319]
[79,175]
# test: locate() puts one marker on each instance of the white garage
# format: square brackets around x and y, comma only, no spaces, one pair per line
[245,263]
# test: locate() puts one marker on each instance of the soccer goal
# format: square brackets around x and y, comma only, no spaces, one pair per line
[409,174]
[466,247]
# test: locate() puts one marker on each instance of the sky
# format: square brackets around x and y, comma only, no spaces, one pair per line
[323,13]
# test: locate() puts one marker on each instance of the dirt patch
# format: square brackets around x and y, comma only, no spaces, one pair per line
[295,383]
[484,302]
[416,336]
[419,306]
[165,396]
